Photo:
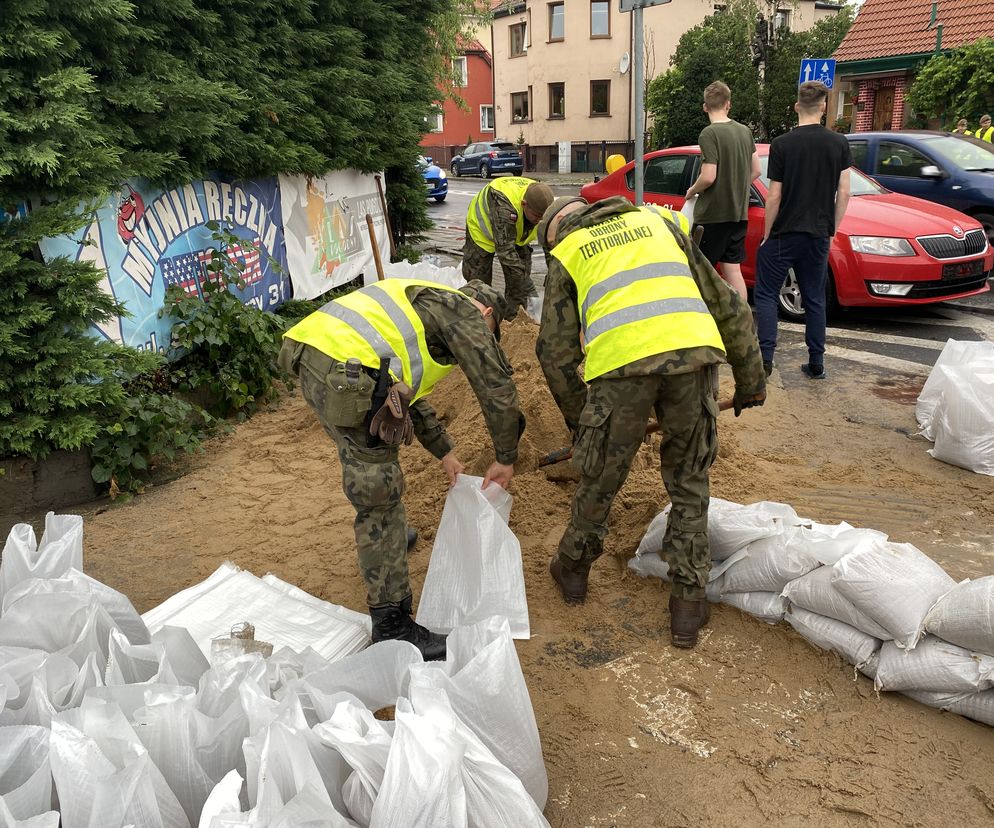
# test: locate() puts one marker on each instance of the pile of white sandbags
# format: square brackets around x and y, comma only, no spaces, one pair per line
[103,723]
[956,406]
[885,607]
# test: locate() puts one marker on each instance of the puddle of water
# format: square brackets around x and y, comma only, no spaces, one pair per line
[901,390]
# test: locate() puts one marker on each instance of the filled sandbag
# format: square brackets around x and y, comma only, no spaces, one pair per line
[963,421]
[934,666]
[816,593]
[895,584]
[954,353]
[771,563]
[965,615]
[830,634]
[976,706]
[766,606]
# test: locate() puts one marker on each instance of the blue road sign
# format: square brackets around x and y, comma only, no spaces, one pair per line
[817,69]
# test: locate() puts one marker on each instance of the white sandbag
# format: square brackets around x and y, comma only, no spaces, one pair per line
[38,685]
[962,424]
[118,607]
[816,593]
[495,797]
[104,777]
[60,550]
[953,353]
[448,276]
[25,772]
[830,544]
[830,634]
[475,568]
[364,743]
[895,584]
[771,563]
[223,801]
[689,205]
[766,606]
[49,819]
[965,616]
[483,680]
[934,666]
[976,706]
[280,614]
[422,783]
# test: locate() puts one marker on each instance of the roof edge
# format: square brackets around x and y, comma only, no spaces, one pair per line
[868,66]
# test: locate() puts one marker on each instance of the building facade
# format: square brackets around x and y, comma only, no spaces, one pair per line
[563,73]
[888,42]
[453,125]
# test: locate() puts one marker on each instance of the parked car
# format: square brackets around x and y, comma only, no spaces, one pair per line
[436,180]
[890,249]
[487,158]
[954,170]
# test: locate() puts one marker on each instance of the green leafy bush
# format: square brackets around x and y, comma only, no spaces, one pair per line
[226,347]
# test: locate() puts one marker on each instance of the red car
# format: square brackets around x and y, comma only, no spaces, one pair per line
[890,250]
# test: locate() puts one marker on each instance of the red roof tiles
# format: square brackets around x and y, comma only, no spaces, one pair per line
[888,28]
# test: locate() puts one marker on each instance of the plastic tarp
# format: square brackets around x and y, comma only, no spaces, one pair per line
[475,569]
[965,615]
[280,614]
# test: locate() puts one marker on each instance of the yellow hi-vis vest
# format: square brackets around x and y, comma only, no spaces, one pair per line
[635,292]
[478,220]
[373,322]
[984,134]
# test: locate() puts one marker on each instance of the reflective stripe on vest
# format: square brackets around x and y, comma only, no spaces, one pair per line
[478,220]
[678,218]
[635,291]
[377,321]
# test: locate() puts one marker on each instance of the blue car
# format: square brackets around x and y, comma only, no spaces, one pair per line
[487,158]
[938,166]
[436,180]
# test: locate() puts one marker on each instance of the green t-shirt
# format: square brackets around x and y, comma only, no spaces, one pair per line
[728,144]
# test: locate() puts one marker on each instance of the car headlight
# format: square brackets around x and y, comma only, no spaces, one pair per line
[881,246]
[441,173]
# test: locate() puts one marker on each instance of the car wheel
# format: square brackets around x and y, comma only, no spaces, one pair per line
[455,169]
[791,306]
[987,219]
[484,171]
[440,198]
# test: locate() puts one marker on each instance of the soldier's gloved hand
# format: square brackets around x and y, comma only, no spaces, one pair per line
[740,401]
[392,423]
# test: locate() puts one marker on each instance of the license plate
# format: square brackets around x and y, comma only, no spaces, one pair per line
[962,270]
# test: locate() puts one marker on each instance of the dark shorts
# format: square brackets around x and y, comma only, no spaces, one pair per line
[724,241]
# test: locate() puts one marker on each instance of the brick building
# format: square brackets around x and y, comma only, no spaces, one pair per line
[886,45]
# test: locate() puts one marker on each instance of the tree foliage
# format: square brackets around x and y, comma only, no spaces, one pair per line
[957,85]
[721,48]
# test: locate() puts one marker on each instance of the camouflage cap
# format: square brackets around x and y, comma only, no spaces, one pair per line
[490,297]
[550,214]
[538,197]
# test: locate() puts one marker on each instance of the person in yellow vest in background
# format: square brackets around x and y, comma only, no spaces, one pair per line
[961,127]
[501,220]
[366,363]
[657,320]
[985,132]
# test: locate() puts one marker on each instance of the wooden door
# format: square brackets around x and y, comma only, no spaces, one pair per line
[883,108]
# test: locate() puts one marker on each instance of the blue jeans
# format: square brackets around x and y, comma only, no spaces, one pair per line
[808,256]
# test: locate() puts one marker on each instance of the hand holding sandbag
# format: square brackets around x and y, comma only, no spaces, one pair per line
[392,423]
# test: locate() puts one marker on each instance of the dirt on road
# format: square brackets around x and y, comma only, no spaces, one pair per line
[754,727]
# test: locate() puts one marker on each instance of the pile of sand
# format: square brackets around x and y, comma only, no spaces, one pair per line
[753,727]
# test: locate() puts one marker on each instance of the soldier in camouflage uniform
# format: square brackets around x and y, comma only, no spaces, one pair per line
[501,220]
[608,417]
[459,327]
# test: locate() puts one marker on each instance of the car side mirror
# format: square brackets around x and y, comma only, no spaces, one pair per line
[429,159]
[931,171]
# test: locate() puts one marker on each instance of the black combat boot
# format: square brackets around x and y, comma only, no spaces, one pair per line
[393,622]
[686,619]
[573,585]
[412,538]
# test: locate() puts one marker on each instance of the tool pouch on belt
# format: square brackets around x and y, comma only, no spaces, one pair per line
[392,421]
[347,391]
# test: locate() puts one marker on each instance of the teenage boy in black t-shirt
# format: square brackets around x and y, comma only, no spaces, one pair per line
[809,191]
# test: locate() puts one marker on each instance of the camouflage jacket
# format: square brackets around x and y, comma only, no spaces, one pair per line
[503,218]
[456,333]
[560,352]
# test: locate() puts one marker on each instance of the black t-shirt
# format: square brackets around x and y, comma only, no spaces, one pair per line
[808,161]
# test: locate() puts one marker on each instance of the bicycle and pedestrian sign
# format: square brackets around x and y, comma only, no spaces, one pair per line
[817,69]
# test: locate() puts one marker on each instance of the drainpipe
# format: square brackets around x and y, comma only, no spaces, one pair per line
[493,78]
[631,81]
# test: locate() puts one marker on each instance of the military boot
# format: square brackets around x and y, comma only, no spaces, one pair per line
[686,619]
[573,585]
[393,622]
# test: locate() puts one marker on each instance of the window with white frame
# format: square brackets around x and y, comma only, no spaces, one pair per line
[434,121]
[460,71]
[487,118]
[782,20]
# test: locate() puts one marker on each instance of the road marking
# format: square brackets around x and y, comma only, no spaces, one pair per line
[877,361]
[869,336]
[978,322]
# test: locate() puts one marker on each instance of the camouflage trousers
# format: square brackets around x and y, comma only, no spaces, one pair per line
[477,263]
[612,427]
[374,484]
